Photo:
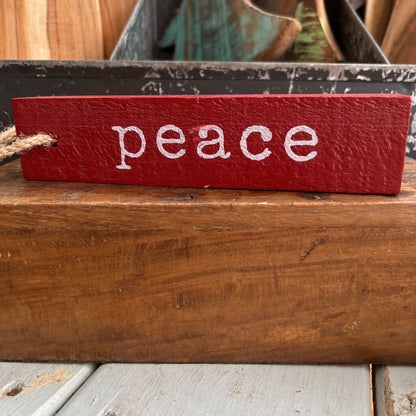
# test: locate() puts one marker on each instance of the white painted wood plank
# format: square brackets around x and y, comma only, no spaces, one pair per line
[395,390]
[211,389]
[38,389]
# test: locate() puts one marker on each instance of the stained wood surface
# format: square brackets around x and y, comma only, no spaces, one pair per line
[228,30]
[337,143]
[137,42]
[377,16]
[36,389]
[395,390]
[398,42]
[187,390]
[114,273]
[50,29]
[282,8]
[114,17]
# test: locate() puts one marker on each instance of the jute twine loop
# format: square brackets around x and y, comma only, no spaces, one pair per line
[10,144]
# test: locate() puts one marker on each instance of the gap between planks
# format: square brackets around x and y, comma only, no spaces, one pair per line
[39,389]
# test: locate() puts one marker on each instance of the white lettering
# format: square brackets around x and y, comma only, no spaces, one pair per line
[266,136]
[203,134]
[161,141]
[289,143]
[218,142]
[123,152]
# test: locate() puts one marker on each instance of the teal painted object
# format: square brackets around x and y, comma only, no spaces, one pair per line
[313,44]
[228,30]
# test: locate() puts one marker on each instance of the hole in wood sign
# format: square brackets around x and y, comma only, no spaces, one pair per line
[320,143]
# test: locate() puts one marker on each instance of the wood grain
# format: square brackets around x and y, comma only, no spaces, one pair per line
[50,29]
[398,43]
[395,390]
[111,273]
[377,16]
[323,143]
[184,390]
[36,389]
[282,8]
[114,16]
[24,31]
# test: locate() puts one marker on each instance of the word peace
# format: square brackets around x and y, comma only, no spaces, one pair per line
[162,139]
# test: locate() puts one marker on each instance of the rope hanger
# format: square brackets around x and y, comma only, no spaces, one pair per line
[11,144]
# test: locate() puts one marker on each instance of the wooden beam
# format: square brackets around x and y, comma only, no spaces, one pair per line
[108,273]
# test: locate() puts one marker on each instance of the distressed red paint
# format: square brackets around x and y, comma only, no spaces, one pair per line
[351,143]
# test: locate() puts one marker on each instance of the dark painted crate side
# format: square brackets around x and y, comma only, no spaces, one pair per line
[31,78]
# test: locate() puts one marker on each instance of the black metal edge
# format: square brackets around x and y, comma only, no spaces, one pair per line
[206,70]
[48,78]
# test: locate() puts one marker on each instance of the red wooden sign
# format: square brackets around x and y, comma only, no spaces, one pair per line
[333,143]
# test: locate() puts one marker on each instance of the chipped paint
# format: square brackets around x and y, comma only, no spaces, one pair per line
[337,73]
[388,394]
[263,75]
[363,78]
[407,404]
[291,77]
[60,375]
[152,74]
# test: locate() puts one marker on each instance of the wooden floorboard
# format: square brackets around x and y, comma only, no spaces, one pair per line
[395,390]
[201,389]
[38,389]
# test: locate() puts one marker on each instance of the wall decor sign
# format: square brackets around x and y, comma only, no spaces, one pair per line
[322,143]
